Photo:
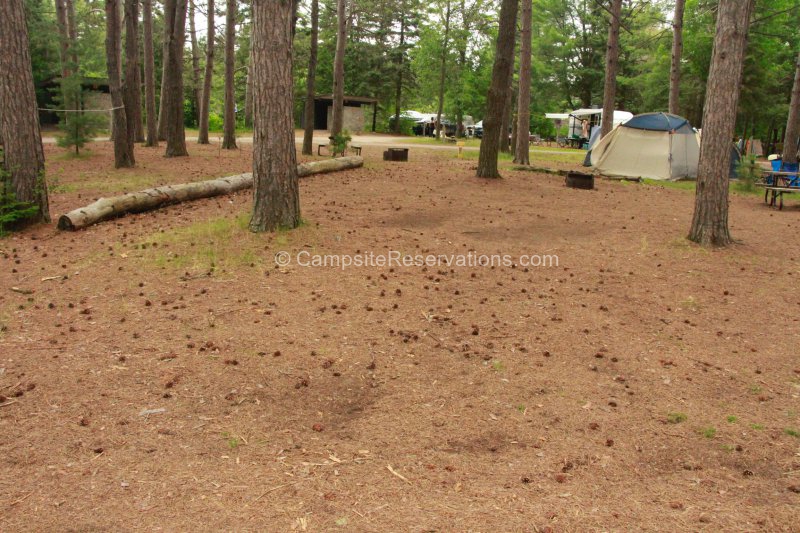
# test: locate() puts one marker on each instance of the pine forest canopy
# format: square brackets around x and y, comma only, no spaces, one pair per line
[401,42]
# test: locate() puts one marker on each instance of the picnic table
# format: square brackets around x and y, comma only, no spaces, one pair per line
[776,184]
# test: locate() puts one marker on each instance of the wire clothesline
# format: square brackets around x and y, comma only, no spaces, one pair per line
[79,110]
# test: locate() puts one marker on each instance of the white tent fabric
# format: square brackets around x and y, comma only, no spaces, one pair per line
[638,153]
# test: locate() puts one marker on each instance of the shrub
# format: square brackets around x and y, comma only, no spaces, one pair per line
[748,172]
[339,141]
[12,211]
[77,128]
[215,122]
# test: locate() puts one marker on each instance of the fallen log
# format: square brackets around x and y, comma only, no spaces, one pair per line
[136,202]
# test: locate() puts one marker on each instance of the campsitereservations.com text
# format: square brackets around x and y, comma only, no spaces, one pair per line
[394,258]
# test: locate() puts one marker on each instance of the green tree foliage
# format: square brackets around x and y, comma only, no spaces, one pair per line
[12,211]
[77,128]
[569,39]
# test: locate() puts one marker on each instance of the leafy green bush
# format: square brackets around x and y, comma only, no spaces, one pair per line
[339,142]
[77,128]
[748,172]
[12,211]
[215,122]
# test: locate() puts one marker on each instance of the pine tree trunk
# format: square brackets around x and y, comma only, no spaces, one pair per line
[677,53]
[173,107]
[63,33]
[149,73]
[338,69]
[443,71]
[132,93]
[169,24]
[248,88]
[205,96]
[398,90]
[19,118]
[522,156]
[72,29]
[311,80]
[498,90]
[63,52]
[123,139]
[612,66]
[793,122]
[248,92]
[508,111]
[276,196]
[229,119]
[195,60]
[710,222]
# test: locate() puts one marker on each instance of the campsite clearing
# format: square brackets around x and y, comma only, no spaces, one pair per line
[165,368]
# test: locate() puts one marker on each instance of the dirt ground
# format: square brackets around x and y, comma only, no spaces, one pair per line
[160,372]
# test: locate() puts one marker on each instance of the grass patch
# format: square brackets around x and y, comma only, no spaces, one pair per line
[737,187]
[474,154]
[792,433]
[689,304]
[732,419]
[497,365]
[676,418]
[757,427]
[219,244]
[566,157]
[709,432]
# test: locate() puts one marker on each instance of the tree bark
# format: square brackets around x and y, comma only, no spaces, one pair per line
[205,101]
[248,88]
[508,113]
[229,119]
[132,91]
[398,90]
[710,221]
[276,195]
[195,60]
[338,69]
[137,202]
[149,73]
[123,138]
[498,90]
[173,115]
[311,80]
[443,71]
[23,158]
[63,33]
[522,156]
[793,122]
[72,30]
[248,92]
[169,24]
[677,53]
[68,99]
[612,65]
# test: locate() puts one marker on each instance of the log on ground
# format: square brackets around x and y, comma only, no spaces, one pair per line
[136,202]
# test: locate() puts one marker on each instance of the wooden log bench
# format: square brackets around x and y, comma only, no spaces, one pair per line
[356,148]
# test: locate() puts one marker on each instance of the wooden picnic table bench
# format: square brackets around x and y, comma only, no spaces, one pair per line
[780,184]
[327,146]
